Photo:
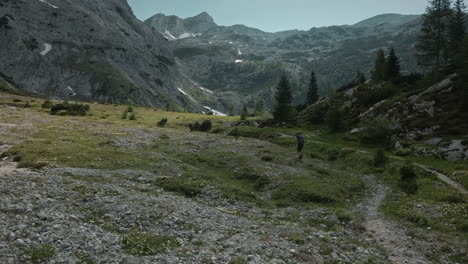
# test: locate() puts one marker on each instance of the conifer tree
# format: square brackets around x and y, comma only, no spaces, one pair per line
[260,107]
[360,77]
[379,70]
[457,30]
[312,93]
[392,66]
[244,113]
[433,41]
[283,108]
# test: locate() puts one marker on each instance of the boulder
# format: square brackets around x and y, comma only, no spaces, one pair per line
[433,141]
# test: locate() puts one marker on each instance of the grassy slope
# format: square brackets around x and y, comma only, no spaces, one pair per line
[237,167]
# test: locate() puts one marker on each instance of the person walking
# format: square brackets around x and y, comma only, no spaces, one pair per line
[300,145]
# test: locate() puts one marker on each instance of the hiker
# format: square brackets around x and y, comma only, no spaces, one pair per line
[300,145]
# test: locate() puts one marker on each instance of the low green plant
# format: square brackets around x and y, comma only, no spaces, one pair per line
[47,104]
[162,122]
[41,254]
[67,108]
[380,159]
[144,244]
[238,260]
[407,180]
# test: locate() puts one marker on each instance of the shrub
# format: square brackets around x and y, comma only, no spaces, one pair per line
[377,132]
[380,160]
[332,155]
[238,260]
[186,187]
[70,109]
[334,120]
[132,116]
[143,244]
[17,100]
[403,152]
[408,180]
[47,104]
[267,158]
[27,105]
[206,126]
[41,254]
[203,127]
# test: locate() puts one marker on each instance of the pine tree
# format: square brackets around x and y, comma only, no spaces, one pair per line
[360,77]
[379,70]
[260,107]
[392,66]
[245,113]
[433,41]
[457,30]
[312,93]
[283,108]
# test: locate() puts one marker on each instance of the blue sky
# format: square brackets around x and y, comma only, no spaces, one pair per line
[277,15]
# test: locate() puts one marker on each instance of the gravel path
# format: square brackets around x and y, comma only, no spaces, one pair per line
[399,247]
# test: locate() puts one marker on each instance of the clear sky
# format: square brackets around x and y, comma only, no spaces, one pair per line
[277,15]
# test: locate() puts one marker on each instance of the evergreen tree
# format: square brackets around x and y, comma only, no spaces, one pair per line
[283,108]
[260,107]
[231,111]
[433,41]
[379,70]
[312,93]
[392,66]
[245,113]
[457,30]
[360,78]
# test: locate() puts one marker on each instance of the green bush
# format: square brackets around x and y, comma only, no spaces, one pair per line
[377,132]
[238,260]
[403,152]
[267,158]
[132,116]
[205,126]
[162,122]
[143,244]
[380,160]
[47,104]
[41,254]
[407,180]
[334,120]
[186,187]
[67,108]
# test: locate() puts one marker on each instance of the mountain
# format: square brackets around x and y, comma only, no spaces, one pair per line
[249,61]
[93,50]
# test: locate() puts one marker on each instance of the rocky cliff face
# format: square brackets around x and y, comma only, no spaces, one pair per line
[88,49]
[250,61]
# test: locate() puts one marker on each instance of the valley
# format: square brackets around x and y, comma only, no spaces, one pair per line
[236,194]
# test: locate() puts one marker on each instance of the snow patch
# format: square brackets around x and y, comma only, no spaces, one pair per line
[170,35]
[186,94]
[216,113]
[73,93]
[45,2]
[202,88]
[230,42]
[239,52]
[182,91]
[47,48]
[239,61]
[188,35]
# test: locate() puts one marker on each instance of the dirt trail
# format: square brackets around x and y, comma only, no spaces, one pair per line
[444,178]
[386,232]
[440,175]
